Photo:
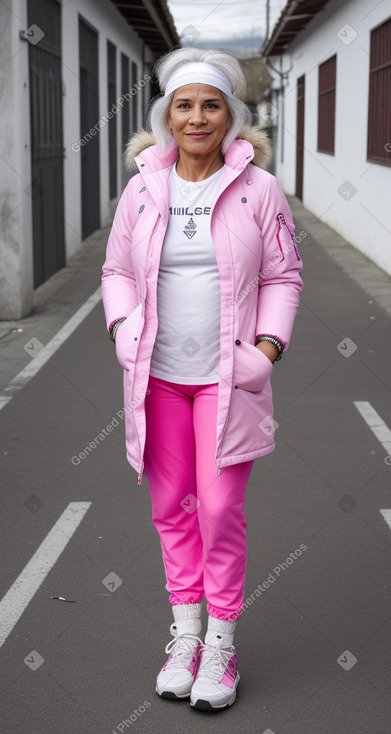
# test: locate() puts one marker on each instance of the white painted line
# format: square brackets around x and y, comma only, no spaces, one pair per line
[23,377]
[387,516]
[28,582]
[4,401]
[375,423]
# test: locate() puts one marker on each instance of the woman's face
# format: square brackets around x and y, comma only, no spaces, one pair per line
[198,119]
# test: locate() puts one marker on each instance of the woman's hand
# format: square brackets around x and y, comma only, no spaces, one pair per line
[268,349]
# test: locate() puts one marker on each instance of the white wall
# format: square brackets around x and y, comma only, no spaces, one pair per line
[16,266]
[363,219]
[111,26]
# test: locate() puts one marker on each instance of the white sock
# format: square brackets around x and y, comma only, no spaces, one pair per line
[187,618]
[220,631]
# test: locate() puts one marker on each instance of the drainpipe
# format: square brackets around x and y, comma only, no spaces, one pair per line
[284,76]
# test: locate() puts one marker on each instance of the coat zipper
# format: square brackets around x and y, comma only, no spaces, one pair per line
[141,470]
[230,249]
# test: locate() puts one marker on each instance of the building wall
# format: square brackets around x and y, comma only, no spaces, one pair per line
[361,216]
[16,263]
[110,25]
[16,238]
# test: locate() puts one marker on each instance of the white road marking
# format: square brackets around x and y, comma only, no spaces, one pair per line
[28,582]
[382,433]
[387,516]
[375,423]
[23,377]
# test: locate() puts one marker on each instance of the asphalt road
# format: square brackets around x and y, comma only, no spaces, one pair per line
[314,644]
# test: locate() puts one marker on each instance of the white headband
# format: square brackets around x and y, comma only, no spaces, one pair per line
[198,72]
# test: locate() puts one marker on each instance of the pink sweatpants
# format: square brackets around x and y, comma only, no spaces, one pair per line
[199,516]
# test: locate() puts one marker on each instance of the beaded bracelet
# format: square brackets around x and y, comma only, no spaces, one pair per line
[114,326]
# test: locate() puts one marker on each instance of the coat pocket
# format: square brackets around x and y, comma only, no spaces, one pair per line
[127,338]
[252,368]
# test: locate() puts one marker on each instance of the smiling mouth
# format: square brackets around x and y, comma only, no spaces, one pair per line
[197,135]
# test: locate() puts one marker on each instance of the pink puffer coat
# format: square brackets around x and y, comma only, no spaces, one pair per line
[258,263]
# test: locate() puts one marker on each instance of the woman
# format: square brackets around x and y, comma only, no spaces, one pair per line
[200,290]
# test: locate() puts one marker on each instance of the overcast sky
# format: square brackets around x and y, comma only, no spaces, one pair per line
[226,19]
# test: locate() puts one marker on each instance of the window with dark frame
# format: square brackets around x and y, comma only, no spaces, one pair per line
[326,106]
[112,97]
[379,102]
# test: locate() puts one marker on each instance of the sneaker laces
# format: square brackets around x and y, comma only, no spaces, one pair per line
[214,661]
[182,648]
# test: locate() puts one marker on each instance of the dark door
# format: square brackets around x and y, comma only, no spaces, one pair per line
[134,98]
[89,129]
[300,136]
[125,128]
[47,153]
[112,97]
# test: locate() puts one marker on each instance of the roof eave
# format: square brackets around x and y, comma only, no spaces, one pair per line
[152,21]
[293,20]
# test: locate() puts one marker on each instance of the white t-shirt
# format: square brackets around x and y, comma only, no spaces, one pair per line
[187,346]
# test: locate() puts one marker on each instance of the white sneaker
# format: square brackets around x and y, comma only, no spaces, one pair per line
[217,678]
[178,672]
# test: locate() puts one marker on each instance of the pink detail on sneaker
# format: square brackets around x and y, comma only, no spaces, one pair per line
[195,661]
[229,676]
[167,661]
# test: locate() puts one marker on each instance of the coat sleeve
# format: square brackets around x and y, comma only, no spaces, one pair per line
[119,292]
[279,279]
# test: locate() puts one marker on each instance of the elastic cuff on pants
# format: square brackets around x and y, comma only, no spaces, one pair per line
[224,615]
[186,611]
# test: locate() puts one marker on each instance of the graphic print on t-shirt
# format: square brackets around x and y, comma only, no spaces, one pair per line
[190,229]
[187,344]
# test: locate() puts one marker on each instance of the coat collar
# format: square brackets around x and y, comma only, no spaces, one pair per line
[154,159]
[155,167]
[252,145]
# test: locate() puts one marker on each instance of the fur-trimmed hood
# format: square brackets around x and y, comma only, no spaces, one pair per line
[257,138]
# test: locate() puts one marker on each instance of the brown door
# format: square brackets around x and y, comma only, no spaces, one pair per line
[300,136]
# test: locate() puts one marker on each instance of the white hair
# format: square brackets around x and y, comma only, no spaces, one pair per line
[238,112]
